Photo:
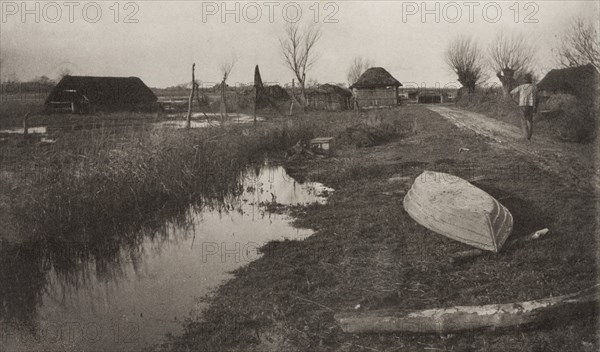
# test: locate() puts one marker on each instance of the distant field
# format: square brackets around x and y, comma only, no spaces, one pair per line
[14,106]
[18,104]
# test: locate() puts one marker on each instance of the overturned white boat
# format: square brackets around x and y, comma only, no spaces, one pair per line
[453,207]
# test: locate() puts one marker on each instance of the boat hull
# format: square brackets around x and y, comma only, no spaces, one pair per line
[453,207]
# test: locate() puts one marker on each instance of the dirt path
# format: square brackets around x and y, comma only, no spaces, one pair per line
[574,164]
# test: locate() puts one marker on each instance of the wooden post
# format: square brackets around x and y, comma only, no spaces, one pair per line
[303,91]
[197,88]
[254,111]
[223,109]
[188,123]
[293,98]
[25,126]
[355,101]
[258,91]
[414,127]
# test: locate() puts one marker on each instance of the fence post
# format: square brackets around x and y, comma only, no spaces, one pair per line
[293,98]
[188,122]
[25,126]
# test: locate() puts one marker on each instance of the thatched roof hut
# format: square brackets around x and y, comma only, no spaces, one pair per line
[276,92]
[269,97]
[87,94]
[581,81]
[376,87]
[329,89]
[376,77]
[329,97]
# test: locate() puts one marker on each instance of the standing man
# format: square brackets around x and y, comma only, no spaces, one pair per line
[528,103]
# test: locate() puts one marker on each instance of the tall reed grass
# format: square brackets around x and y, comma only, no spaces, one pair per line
[108,181]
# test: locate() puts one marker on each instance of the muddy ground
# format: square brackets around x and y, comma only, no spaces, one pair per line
[367,251]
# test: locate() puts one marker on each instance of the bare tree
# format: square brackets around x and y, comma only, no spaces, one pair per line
[358,66]
[579,45]
[298,49]
[465,58]
[510,54]
[65,71]
[226,68]
[312,83]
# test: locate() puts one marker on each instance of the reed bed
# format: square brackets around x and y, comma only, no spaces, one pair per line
[94,195]
[110,180]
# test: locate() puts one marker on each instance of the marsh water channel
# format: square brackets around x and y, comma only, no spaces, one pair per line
[148,286]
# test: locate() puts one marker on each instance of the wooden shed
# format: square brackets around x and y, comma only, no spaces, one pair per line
[329,97]
[376,87]
[85,94]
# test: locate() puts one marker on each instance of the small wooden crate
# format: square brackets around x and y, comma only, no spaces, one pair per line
[322,145]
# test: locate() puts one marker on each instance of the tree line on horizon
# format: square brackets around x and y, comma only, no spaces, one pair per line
[510,56]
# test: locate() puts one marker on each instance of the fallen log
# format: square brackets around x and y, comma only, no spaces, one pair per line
[462,318]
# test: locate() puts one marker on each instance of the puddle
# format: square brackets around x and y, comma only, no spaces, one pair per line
[39,129]
[182,124]
[47,140]
[214,120]
[146,290]
[203,123]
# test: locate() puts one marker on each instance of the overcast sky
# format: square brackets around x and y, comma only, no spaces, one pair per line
[167,36]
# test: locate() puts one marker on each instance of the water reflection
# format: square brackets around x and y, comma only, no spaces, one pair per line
[122,291]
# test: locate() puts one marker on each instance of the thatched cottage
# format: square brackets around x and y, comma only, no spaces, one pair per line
[580,81]
[84,94]
[329,97]
[376,87]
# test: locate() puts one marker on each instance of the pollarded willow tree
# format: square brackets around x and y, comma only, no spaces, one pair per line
[298,51]
[510,55]
[358,66]
[465,57]
[580,44]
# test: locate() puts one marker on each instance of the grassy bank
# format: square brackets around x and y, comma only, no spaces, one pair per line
[367,251]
